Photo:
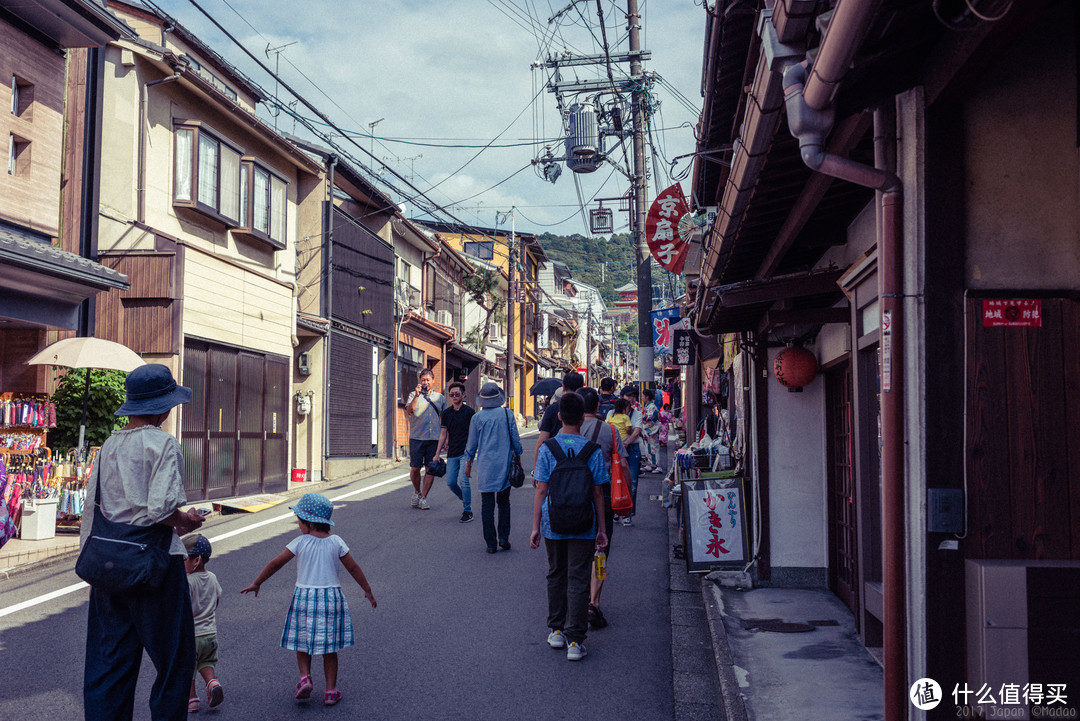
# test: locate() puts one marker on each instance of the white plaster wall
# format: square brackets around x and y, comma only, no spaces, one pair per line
[797,487]
[1023,174]
[248,311]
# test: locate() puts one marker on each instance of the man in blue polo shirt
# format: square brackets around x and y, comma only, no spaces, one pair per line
[569,555]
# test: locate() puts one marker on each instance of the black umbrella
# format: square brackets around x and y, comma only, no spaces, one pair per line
[545,386]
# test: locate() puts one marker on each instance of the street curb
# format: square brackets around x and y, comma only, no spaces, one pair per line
[44,562]
[52,559]
[725,671]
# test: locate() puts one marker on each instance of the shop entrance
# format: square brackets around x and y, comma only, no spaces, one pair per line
[234,431]
[843,536]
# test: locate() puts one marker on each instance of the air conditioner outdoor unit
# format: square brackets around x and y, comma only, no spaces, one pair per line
[1017,614]
[444,317]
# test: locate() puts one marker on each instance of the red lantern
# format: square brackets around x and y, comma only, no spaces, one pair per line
[795,367]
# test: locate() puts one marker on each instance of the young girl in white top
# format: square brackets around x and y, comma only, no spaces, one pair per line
[318,622]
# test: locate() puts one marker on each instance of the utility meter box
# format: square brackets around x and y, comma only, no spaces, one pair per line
[303,364]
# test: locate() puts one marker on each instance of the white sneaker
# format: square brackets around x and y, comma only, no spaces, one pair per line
[423,504]
[576,651]
[556,639]
[415,500]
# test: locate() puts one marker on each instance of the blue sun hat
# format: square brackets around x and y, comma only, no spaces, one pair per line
[197,545]
[314,508]
[151,389]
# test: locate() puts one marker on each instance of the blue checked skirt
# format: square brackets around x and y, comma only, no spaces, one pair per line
[318,621]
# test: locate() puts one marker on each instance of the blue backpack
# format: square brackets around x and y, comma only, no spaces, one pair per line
[570,490]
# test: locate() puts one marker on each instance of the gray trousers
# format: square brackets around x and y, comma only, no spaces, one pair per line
[568,576]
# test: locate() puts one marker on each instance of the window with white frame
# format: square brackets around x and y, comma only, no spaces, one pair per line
[18,155]
[22,98]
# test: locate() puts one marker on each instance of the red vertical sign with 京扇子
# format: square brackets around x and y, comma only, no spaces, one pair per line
[662,229]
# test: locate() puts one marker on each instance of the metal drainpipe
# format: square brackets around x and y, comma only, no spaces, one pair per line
[810,117]
[144,111]
[891,293]
[328,302]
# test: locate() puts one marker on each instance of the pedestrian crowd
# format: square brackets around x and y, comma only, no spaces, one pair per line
[138,482]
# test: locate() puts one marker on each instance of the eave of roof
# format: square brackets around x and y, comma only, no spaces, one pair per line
[69,23]
[23,253]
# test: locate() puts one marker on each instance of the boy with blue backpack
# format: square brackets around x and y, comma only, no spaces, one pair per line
[568,513]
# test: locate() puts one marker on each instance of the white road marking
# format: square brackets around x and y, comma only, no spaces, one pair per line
[45,598]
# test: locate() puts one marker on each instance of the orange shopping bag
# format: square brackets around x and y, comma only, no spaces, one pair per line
[621,502]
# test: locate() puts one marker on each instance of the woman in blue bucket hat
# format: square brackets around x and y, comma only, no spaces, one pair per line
[139,475]
[319,622]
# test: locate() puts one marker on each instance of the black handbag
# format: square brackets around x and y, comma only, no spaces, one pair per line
[516,477]
[119,557]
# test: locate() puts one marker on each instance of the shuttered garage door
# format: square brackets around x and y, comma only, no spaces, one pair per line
[349,396]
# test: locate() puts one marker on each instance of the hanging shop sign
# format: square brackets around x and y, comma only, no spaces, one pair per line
[1012,313]
[662,321]
[683,349]
[668,227]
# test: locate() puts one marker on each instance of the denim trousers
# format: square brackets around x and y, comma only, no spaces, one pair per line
[119,627]
[633,459]
[488,502]
[568,577]
[458,482]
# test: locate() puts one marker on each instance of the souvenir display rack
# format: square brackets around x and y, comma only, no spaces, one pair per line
[26,476]
[26,467]
[70,480]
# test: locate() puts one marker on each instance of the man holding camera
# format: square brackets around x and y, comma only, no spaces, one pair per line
[424,409]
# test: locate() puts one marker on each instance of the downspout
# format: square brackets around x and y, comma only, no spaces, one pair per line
[810,118]
[891,294]
[144,112]
[328,299]
[91,176]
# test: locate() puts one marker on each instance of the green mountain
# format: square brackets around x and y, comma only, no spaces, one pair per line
[604,263]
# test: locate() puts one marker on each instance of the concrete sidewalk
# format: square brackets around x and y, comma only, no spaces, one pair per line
[790,653]
[20,555]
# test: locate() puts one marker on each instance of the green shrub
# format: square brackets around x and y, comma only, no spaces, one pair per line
[106,395]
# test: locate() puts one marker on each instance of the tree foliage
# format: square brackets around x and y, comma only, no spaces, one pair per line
[584,256]
[483,288]
[106,395]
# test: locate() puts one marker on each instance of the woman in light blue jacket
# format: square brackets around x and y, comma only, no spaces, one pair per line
[493,439]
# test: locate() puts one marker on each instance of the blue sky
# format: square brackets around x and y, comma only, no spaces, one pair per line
[457,73]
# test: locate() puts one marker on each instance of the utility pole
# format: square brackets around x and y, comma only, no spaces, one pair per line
[644,268]
[511,258]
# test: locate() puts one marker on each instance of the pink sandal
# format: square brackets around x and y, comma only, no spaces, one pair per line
[303,689]
[193,704]
[331,697]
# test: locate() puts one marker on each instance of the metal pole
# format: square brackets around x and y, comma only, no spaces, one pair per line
[512,262]
[644,268]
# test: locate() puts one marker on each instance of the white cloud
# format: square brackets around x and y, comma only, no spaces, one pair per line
[458,72]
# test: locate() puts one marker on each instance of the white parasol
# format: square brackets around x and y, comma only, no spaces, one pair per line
[87,353]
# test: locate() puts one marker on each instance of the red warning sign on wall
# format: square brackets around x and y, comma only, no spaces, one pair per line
[1012,313]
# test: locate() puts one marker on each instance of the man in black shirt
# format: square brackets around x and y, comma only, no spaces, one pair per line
[452,439]
[550,423]
[607,398]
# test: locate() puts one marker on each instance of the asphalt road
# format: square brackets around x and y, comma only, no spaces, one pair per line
[458,633]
